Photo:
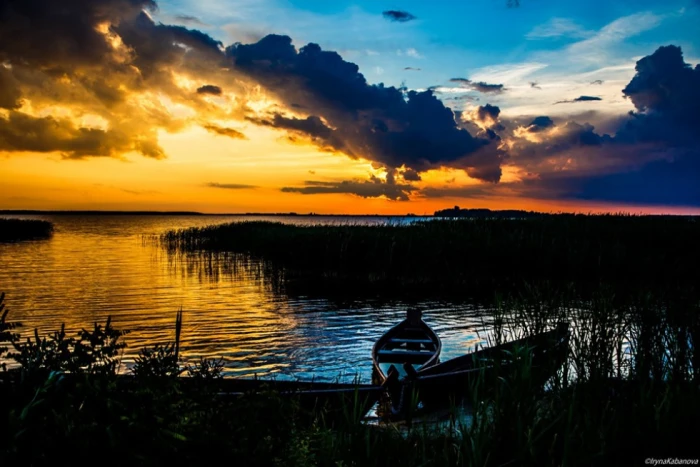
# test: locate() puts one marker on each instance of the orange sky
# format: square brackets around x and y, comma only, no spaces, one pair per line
[265,161]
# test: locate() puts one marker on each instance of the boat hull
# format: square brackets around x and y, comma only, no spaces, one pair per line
[411,342]
[450,382]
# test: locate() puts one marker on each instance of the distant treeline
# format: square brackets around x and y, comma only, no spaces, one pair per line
[482,212]
[12,230]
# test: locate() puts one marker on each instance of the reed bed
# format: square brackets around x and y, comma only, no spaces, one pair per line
[13,230]
[471,254]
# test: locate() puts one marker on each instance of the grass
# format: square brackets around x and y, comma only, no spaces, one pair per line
[13,230]
[629,391]
[464,256]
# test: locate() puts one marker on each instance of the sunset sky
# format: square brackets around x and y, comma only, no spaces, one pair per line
[350,106]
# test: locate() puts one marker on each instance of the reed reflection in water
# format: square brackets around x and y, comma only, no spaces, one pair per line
[97,266]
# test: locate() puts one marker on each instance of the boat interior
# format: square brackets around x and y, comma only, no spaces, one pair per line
[411,344]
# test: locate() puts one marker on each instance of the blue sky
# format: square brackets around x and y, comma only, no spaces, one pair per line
[561,45]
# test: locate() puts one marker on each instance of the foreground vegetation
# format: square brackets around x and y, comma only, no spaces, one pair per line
[630,391]
[465,256]
[12,230]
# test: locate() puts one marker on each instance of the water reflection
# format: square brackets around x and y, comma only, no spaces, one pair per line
[234,308]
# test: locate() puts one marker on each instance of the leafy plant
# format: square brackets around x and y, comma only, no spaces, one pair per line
[94,351]
[7,336]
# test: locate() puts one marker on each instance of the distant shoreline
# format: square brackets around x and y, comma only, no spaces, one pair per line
[191,213]
[445,213]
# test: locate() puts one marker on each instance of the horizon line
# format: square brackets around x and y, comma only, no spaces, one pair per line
[309,214]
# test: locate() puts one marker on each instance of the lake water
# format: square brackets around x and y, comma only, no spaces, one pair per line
[99,266]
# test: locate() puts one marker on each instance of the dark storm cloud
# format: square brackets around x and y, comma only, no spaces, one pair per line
[389,126]
[10,95]
[231,186]
[479,86]
[55,33]
[464,98]
[653,158]
[372,188]
[411,175]
[539,124]
[581,99]
[488,111]
[159,45]
[398,16]
[224,131]
[311,126]
[666,86]
[209,89]
[22,132]
[666,94]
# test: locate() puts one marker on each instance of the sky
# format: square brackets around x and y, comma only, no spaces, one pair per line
[364,106]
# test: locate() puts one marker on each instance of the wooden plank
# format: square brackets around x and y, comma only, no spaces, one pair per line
[401,340]
[403,356]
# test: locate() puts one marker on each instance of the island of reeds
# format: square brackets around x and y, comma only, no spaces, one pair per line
[14,230]
[474,256]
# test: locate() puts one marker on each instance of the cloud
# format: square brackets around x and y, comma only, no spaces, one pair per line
[411,175]
[188,19]
[103,62]
[10,95]
[485,117]
[539,124]
[386,125]
[372,188]
[653,158]
[558,27]
[581,99]
[231,186]
[479,86]
[23,132]
[224,131]
[507,72]
[595,48]
[102,79]
[109,63]
[209,89]
[45,32]
[398,16]
[410,52]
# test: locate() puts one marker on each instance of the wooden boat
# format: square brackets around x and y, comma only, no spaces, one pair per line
[409,344]
[449,382]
